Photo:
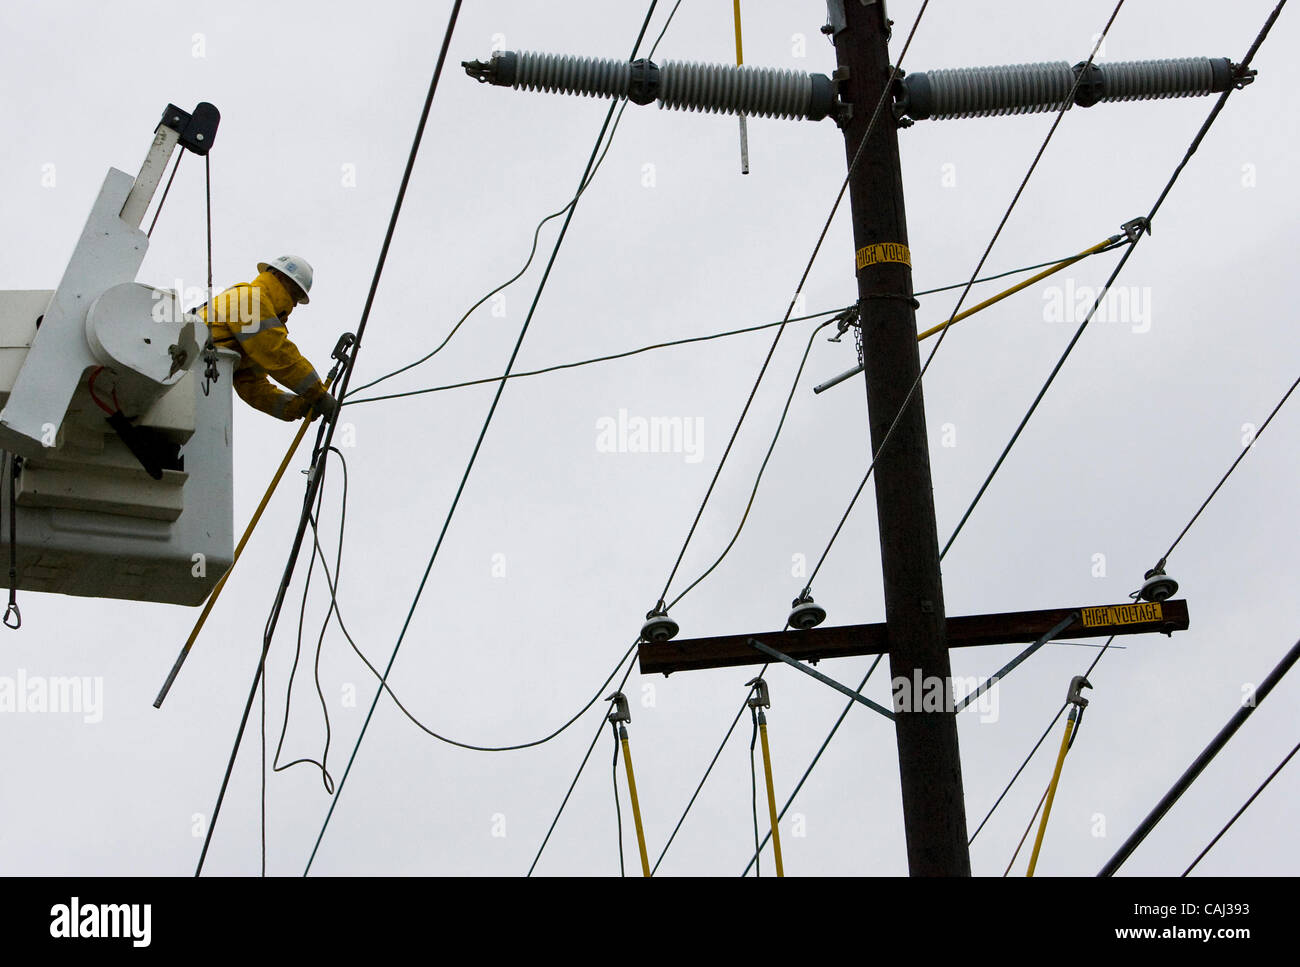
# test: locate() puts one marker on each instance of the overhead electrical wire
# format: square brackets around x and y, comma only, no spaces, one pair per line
[943,334]
[1244,806]
[472,459]
[771,350]
[1182,164]
[597,359]
[325,436]
[531,254]
[1119,267]
[839,197]
[666,345]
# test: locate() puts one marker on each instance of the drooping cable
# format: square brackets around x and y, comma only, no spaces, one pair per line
[875,116]
[597,359]
[326,433]
[911,393]
[473,456]
[531,253]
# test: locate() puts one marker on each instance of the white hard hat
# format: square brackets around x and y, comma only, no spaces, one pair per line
[296,268]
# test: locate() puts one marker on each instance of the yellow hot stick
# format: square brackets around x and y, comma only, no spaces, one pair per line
[771,799]
[636,806]
[239,549]
[1015,288]
[1051,792]
[744,125]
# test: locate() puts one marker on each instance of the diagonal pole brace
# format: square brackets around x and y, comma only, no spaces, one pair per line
[772,652]
[1005,669]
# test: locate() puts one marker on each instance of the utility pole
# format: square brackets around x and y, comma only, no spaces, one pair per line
[917,632]
[934,809]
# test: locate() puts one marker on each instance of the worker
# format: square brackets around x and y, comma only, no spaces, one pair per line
[251,319]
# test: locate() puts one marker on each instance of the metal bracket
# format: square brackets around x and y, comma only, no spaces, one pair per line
[844,689]
[761,698]
[619,713]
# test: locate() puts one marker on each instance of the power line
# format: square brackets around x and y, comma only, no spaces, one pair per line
[320,453]
[662,345]
[771,350]
[1246,805]
[704,778]
[473,457]
[875,116]
[597,359]
[1196,142]
[911,393]
[1258,433]
[531,253]
[1198,766]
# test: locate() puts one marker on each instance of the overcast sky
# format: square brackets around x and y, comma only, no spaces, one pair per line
[559,547]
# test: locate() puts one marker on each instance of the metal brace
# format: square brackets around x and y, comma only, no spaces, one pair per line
[761,698]
[1136,227]
[619,713]
[1075,696]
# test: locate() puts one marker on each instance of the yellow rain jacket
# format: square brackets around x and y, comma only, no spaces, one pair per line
[250,318]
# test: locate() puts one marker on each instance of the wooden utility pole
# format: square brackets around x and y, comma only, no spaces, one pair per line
[934,810]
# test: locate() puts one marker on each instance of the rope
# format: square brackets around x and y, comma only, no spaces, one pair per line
[163,200]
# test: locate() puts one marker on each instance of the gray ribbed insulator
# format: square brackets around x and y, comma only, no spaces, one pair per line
[730,89]
[968,92]
[1030,88]
[572,75]
[1143,79]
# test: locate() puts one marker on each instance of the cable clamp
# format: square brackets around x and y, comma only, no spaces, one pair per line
[619,713]
[760,698]
[1135,228]
[1075,697]
[849,317]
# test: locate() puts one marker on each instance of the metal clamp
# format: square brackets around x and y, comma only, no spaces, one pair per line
[1075,696]
[760,697]
[1134,228]
[619,713]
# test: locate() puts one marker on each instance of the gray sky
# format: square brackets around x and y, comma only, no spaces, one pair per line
[558,548]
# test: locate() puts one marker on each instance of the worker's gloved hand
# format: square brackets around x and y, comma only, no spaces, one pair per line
[326,406]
